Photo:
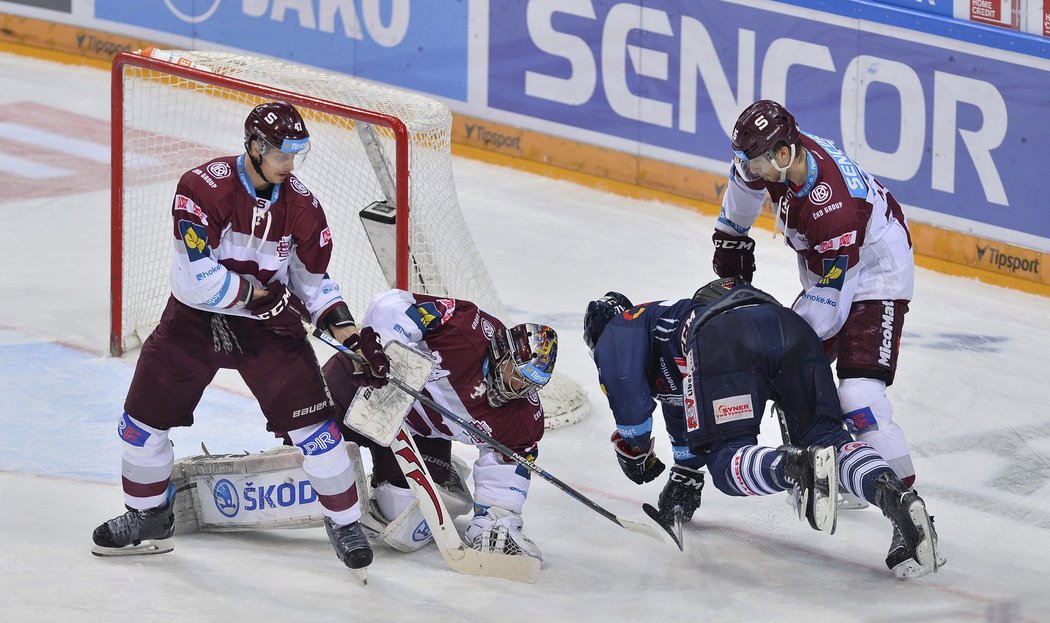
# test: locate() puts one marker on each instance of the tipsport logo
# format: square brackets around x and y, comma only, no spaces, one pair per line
[228,499]
[1007,262]
[192,11]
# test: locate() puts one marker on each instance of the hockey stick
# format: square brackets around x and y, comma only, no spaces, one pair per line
[457,556]
[633,526]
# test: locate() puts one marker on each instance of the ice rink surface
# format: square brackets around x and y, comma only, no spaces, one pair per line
[969,394]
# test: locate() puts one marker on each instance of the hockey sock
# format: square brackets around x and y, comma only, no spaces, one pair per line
[752,470]
[859,466]
[330,471]
[146,461]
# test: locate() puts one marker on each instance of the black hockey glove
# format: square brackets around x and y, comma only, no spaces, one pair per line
[640,467]
[366,343]
[683,488]
[280,310]
[734,256]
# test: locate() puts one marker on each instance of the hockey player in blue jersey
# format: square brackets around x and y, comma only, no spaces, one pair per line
[713,362]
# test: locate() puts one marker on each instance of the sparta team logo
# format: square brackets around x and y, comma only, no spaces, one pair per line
[487,329]
[219,170]
[820,194]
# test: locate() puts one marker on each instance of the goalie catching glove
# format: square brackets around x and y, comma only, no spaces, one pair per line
[366,343]
[641,466]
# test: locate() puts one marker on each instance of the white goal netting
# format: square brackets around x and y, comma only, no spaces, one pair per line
[174,119]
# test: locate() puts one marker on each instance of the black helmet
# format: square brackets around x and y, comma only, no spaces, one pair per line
[599,313]
[713,291]
[279,125]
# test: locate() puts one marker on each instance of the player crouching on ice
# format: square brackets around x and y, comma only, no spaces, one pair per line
[485,373]
[713,361]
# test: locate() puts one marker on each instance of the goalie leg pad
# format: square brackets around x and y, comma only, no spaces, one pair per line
[499,531]
[231,492]
[408,530]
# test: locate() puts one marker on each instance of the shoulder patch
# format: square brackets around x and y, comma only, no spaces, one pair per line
[185,204]
[425,316]
[219,170]
[298,187]
[195,237]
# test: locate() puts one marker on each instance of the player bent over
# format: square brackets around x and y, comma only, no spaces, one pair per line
[484,372]
[252,247]
[737,348]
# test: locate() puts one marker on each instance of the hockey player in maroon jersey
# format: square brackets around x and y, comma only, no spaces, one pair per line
[484,372]
[252,247]
[854,257]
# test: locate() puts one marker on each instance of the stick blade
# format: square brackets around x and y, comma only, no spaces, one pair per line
[674,530]
[490,564]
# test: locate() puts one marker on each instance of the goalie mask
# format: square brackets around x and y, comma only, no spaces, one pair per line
[521,360]
[599,313]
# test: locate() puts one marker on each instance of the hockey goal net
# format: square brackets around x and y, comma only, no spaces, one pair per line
[381,165]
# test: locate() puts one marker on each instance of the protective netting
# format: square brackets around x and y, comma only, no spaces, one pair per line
[172,124]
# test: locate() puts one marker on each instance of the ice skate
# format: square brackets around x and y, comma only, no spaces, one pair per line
[137,532]
[814,472]
[351,546]
[913,549]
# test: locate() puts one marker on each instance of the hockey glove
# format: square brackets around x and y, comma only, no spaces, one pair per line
[280,310]
[640,466]
[366,343]
[683,488]
[734,256]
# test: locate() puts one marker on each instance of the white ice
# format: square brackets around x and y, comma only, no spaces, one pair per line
[967,393]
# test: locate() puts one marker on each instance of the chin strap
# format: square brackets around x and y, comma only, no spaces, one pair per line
[783,171]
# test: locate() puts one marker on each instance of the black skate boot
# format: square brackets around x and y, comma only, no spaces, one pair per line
[913,548]
[814,471]
[136,531]
[350,543]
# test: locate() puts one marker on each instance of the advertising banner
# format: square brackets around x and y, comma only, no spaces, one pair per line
[944,125]
[417,45]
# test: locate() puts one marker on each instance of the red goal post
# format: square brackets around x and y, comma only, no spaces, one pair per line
[381,165]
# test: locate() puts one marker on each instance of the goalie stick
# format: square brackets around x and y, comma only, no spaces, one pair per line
[456,554]
[633,526]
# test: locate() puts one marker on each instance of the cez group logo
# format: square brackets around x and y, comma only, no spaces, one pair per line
[226,499]
[192,11]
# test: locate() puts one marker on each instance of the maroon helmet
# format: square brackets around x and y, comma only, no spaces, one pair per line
[758,130]
[279,125]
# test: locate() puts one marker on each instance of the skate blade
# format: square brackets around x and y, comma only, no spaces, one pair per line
[145,548]
[361,575]
[850,502]
[822,510]
[925,550]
